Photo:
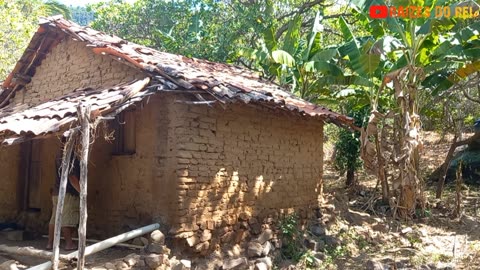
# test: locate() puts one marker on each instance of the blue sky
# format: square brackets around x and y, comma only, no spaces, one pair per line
[83,2]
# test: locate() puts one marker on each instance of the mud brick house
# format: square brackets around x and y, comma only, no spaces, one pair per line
[196,144]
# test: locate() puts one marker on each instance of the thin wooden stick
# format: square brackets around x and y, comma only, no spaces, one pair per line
[444,167]
[458,192]
[83,115]
[66,160]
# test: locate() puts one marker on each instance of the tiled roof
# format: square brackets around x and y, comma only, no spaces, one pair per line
[18,123]
[225,83]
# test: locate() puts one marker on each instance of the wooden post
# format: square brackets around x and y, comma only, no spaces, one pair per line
[29,251]
[66,160]
[84,119]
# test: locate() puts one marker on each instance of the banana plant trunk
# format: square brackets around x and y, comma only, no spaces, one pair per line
[381,173]
[409,182]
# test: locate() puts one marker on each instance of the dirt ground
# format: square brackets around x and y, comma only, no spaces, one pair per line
[435,242]
[365,233]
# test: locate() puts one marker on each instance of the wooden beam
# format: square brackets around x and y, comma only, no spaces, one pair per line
[206,102]
[84,119]
[21,79]
[29,251]
[66,160]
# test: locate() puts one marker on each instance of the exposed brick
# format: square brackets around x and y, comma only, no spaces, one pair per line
[240,145]
[63,71]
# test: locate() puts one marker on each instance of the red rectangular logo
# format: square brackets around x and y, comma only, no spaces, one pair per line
[378,12]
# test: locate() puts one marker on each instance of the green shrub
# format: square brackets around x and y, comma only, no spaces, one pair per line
[347,157]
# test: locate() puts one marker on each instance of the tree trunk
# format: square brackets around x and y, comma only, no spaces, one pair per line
[372,153]
[411,184]
[350,178]
[381,174]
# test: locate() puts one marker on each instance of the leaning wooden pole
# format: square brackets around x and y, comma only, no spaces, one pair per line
[66,160]
[84,118]
[29,251]
[444,167]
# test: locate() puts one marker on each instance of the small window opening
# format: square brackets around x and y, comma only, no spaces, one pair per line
[124,133]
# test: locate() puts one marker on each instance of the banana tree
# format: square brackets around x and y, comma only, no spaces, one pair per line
[364,62]
[390,66]
[403,58]
[299,62]
[324,74]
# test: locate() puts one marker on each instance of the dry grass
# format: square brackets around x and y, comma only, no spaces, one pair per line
[435,240]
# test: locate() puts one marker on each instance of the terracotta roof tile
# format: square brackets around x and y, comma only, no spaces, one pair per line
[226,83]
[19,123]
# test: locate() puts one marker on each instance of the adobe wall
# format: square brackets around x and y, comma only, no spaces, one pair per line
[124,191]
[243,162]
[9,168]
[120,185]
[129,191]
[71,65]
[196,169]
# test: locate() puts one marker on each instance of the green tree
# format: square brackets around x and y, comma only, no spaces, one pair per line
[301,61]
[297,61]
[404,58]
[19,23]
[347,155]
[191,28]
[53,7]
[390,63]
[216,30]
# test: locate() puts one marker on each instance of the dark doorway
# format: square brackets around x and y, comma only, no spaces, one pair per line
[35,177]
